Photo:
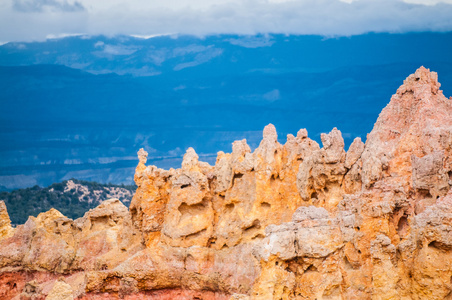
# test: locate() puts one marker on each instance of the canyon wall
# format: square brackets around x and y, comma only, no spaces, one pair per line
[292,221]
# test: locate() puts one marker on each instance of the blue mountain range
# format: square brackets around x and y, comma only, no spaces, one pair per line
[81,107]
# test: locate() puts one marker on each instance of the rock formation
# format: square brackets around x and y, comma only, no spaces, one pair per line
[292,221]
[5,223]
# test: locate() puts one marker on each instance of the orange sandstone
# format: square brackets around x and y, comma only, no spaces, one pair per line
[292,221]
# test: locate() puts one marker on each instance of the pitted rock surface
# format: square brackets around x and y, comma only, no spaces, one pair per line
[292,221]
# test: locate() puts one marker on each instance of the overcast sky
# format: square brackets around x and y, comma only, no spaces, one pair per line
[26,20]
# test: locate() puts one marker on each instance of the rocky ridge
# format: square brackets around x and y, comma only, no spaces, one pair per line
[71,197]
[292,221]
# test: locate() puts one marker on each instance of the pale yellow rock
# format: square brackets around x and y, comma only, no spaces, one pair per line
[5,223]
[60,291]
[240,297]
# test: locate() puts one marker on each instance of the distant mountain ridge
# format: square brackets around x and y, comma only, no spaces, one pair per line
[222,55]
[80,107]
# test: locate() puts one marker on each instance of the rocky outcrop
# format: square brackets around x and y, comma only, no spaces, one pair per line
[5,223]
[292,221]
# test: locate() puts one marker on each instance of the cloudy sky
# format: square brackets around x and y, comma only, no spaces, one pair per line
[26,20]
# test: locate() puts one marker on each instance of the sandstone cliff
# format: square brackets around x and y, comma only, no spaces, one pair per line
[292,221]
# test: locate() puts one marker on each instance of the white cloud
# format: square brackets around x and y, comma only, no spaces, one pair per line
[202,57]
[61,35]
[428,2]
[47,5]
[252,41]
[272,95]
[109,51]
[118,50]
[20,46]
[99,44]
[142,18]
[148,36]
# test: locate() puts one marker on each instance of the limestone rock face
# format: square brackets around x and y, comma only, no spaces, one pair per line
[292,221]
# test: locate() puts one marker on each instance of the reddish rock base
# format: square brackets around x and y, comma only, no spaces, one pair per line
[165,294]
[17,284]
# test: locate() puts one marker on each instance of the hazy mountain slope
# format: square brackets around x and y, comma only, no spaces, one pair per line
[59,122]
[178,56]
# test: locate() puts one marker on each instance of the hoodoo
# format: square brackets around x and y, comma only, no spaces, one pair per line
[292,221]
